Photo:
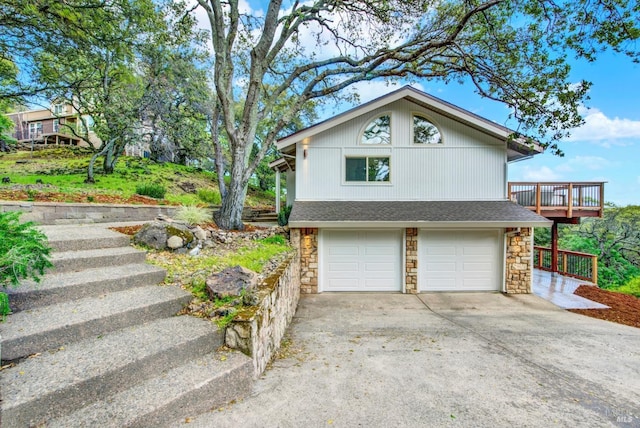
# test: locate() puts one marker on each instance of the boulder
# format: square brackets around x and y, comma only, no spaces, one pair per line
[157,233]
[230,282]
[175,242]
[152,235]
[200,233]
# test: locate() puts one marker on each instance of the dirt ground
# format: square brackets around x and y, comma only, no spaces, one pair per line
[624,308]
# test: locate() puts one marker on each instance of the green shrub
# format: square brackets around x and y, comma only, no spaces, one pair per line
[283,215]
[192,214]
[209,196]
[24,250]
[152,190]
[631,287]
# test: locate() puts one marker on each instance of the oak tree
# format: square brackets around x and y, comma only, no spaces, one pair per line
[292,53]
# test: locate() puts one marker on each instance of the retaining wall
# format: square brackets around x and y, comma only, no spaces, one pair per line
[58,213]
[258,331]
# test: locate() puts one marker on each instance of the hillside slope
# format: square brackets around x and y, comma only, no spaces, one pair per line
[58,174]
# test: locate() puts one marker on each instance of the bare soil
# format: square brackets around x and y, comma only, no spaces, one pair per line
[624,308]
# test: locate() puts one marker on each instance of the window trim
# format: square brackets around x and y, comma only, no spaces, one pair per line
[371,119]
[56,125]
[38,129]
[366,182]
[59,109]
[430,120]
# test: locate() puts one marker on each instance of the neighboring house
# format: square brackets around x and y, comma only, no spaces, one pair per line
[51,126]
[408,193]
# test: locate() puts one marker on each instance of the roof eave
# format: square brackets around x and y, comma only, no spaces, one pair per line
[527,148]
[417,224]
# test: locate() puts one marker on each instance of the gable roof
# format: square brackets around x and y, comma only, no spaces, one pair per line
[413,214]
[517,149]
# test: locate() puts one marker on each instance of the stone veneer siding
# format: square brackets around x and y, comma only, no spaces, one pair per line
[518,260]
[411,260]
[306,241]
[258,331]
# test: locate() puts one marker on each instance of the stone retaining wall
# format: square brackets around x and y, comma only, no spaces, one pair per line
[258,331]
[72,213]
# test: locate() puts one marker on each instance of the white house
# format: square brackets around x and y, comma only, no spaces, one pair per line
[407,193]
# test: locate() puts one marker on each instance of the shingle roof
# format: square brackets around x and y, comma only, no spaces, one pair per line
[412,214]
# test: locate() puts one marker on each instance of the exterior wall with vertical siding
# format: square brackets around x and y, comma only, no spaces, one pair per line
[469,165]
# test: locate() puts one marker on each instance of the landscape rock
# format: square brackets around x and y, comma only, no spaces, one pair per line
[152,235]
[230,282]
[156,235]
[187,187]
[175,242]
[200,233]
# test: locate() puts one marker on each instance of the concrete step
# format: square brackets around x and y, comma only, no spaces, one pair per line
[55,384]
[66,286]
[266,217]
[191,389]
[77,238]
[48,327]
[67,261]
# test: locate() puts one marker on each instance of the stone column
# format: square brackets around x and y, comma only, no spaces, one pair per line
[519,261]
[307,244]
[411,260]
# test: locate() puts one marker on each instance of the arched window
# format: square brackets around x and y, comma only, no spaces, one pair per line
[425,132]
[378,131]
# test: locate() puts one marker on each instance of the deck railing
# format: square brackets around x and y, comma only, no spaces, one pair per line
[570,263]
[555,199]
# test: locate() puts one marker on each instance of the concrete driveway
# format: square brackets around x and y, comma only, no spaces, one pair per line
[467,360]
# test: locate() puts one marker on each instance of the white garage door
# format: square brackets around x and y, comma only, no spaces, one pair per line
[364,260]
[460,260]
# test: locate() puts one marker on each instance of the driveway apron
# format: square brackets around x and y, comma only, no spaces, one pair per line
[443,359]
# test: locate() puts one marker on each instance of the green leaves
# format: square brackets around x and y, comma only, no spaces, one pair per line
[24,251]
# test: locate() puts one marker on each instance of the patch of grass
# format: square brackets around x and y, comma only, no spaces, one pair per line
[192,214]
[255,258]
[191,271]
[5,309]
[275,239]
[199,288]
[209,196]
[154,190]
[225,301]
[224,321]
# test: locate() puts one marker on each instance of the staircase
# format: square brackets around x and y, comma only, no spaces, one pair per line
[96,343]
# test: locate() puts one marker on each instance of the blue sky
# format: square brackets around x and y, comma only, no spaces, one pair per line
[606,148]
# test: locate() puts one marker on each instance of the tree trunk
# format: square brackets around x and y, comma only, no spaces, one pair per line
[108,161]
[230,215]
[90,177]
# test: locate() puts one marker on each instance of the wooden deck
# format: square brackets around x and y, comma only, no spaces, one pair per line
[560,200]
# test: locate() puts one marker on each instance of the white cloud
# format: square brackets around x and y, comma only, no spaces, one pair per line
[543,173]
[600,128]
[581,163]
